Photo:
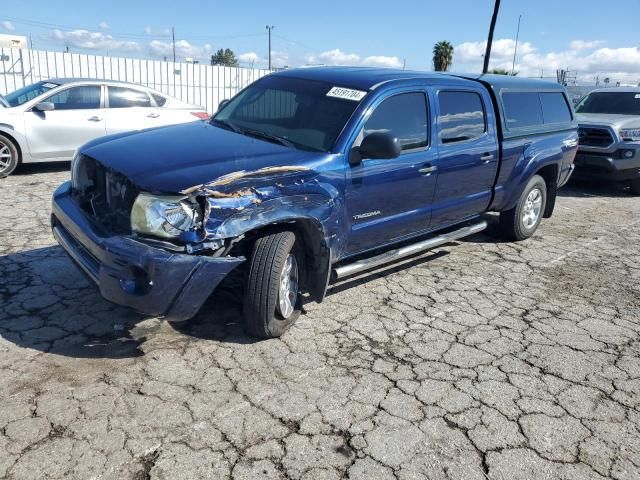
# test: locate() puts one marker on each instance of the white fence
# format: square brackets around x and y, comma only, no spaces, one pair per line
[204,85]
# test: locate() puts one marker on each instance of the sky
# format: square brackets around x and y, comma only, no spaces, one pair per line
[596,38]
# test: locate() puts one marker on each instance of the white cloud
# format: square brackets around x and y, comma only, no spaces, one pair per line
[338,57]
[104,25]
[159,32]
[183,49]
[583,57]
[93,41]
[249,57]
[585,44]
[7,25]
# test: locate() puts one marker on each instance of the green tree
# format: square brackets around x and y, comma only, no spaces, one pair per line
[502,71]
[442,56]
[225,58]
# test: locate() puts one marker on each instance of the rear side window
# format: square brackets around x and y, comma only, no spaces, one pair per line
[404,116]
[120,97]
[554,107]
[462,116]
[522,109]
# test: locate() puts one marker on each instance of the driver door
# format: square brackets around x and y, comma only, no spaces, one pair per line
[77,117]
[388,199]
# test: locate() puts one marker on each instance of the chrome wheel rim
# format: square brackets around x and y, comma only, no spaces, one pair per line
[5,156]
[532,208]
[288,291]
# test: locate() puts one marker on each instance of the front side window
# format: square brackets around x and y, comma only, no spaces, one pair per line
[300,113]
[461,116]
[618,103]
[120,97]
[77,98]
[403,116]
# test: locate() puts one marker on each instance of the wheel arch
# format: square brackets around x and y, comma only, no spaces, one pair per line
[550,175]
[8,132]
[315,245]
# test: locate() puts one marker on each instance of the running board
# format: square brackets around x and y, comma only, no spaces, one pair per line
[390,256]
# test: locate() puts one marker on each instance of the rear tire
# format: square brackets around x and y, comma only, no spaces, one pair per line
[523,220]
[9,157]
[635,186]
[276,267]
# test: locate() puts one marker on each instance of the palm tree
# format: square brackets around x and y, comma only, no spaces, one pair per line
[442,56]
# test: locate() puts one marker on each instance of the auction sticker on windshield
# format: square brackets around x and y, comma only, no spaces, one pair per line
[346,93]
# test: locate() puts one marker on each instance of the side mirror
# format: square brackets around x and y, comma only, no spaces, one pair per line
[222,104]
[379,145]
[44,107]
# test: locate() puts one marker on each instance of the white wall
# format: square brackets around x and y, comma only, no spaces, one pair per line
[194,83]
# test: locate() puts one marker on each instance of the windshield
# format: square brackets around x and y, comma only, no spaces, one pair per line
[28,93]
[618,103]
[302,114]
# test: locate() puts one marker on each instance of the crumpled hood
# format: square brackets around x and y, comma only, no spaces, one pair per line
[176,158]
[615,121]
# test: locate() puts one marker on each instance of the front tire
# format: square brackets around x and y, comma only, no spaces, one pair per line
[523,220]
[9,158]
[635,186]
[272,301]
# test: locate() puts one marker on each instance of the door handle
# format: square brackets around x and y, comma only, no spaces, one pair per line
[94,119]
[486,157]
[153,115]
[428,169]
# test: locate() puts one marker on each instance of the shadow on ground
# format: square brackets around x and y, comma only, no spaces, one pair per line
[579,188]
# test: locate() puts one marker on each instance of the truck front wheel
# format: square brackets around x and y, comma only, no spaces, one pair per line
[523,220]
[272,301]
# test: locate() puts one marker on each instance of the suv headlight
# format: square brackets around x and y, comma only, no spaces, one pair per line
[162,216]
[630,134]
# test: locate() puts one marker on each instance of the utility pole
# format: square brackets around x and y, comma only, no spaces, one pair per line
[173,43]
[515,50]
[487,54]
[269,28]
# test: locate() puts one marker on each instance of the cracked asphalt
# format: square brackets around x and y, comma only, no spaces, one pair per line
[478,360]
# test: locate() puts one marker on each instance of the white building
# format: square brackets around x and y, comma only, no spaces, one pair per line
[13,41]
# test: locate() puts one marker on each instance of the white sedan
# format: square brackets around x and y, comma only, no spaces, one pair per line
[49,120]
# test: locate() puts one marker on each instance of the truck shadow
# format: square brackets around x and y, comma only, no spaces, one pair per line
[48,305]
[44,167]
[578,188]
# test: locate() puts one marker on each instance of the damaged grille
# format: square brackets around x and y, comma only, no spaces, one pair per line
[106,195]
[595,137]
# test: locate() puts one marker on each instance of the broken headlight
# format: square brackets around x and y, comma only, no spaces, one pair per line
[162,216]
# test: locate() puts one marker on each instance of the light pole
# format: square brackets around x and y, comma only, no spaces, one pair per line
[487,54]
[269,28]
[515,50]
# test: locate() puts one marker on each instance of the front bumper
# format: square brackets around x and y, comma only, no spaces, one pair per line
[128,272]
[607,167]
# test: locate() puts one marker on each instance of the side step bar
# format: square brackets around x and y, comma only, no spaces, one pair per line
[390,256]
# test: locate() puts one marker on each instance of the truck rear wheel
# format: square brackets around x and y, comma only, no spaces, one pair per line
[635,186]
[272,301]
[523,220]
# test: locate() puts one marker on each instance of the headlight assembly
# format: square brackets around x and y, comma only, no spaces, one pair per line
[162,216]
[630,134]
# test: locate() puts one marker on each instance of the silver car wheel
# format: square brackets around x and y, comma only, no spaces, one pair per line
[5,156]
[288,291]
[532,208]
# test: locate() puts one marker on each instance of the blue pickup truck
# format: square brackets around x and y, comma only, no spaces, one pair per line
[309,175]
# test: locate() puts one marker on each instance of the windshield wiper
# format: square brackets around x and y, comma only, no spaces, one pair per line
[269,136]
[227,125]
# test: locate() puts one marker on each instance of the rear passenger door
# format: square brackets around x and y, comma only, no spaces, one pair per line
[128,109]
[468,155]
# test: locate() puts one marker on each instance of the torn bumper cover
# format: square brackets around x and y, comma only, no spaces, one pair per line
[130,273]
